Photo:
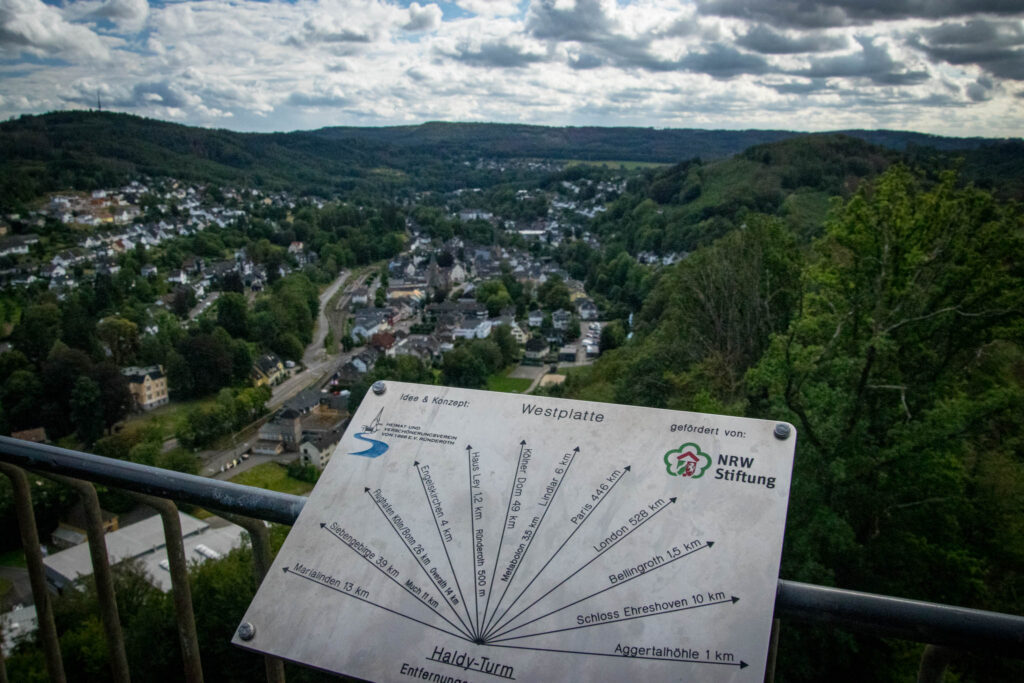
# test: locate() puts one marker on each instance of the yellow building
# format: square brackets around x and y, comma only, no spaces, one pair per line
[267,370]
[148,386]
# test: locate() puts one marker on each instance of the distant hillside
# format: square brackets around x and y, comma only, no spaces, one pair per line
[86,150]
[616,144]
[544,142]
[682,207]
[91,149]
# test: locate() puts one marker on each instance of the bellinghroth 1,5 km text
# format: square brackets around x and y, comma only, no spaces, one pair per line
[495,538]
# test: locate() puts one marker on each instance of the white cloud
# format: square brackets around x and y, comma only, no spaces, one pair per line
[42,31]
[128,15]
[425,18]
[490,8]
[278,64]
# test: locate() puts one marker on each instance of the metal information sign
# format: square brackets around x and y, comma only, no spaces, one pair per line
[462,535]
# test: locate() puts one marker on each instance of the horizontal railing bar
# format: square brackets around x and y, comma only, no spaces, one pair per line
[915,620]
[283,508]
[912,620]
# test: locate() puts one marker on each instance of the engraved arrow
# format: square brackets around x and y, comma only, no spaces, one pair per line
[472,539]
[586,564]
[733,600]
[419,599]
[371,602]
[615,585]
[504,526]
[567,539]
[536,532]
[740,664]
[415,557]
[444,545]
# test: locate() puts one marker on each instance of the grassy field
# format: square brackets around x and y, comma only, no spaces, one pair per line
[166,417]
[572,370]
[275,477]
[12,558]
[5,587]
[511,385]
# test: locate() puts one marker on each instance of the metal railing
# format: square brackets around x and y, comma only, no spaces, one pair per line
[940,626]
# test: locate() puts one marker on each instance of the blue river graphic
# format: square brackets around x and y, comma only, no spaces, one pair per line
[377,448]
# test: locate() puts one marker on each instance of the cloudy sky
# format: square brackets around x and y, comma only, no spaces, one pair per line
[953,67]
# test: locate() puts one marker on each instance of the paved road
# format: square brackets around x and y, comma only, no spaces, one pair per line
[316,360]
[203,305]
[316,350]
[318,364]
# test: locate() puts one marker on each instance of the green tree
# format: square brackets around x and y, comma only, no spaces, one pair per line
[241,361]
[87,410]
[899,373]
[553,294]
[115,398]
[179,376]
[145,453]
[288,346]
[509,347]
[233,314]
[11,361]
[21,397]
[183,301]
[59,373]
[39,328]
[613,335]
[121,337]
[494,295]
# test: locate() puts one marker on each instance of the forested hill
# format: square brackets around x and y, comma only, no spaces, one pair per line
[667,145]
[87,150]
[891,334]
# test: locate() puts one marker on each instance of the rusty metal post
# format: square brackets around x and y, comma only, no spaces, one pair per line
[104,578]
[934,661]
[188,639]
[773,651]
[36,571]
[260,538]
[3,664]
[261,565]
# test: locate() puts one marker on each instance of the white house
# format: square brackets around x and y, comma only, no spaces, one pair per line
[587,309]
[469,330]
[316,450]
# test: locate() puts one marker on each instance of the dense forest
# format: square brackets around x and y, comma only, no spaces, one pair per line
[866,287]
[892,338]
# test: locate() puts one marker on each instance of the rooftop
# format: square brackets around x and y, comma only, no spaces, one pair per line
[144,541]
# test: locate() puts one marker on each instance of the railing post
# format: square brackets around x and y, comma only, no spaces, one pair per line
[934,661]
[187,636]
[261,558]
[36,572]
[773,651]
[104,578]
[3,664]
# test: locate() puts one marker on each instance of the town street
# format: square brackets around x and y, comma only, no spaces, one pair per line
[317,365]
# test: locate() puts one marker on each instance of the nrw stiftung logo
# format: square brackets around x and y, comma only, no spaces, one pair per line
[687,461]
